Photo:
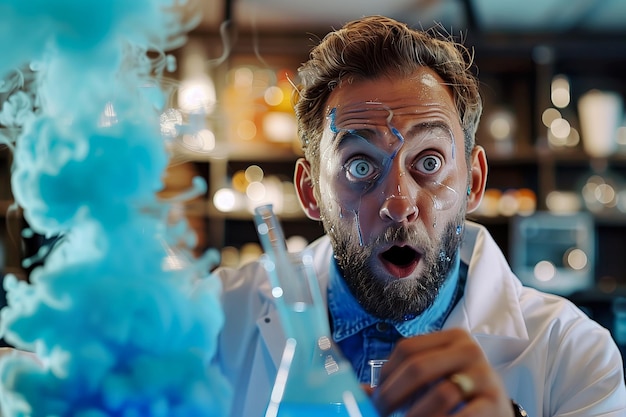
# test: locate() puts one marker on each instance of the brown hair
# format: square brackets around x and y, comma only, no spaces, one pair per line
[372,47]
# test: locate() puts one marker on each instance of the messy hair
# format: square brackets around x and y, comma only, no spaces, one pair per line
[377,46]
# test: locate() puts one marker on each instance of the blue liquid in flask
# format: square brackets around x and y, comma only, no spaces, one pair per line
[314,379]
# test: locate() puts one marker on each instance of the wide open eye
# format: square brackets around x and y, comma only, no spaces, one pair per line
[429,164]
[360,169]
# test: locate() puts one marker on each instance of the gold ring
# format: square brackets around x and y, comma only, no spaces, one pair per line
[464,383]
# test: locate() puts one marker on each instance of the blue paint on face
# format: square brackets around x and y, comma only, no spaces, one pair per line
[395,132]
[367,140]
[333,116]
[358,227]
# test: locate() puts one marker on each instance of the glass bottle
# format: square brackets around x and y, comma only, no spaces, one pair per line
[313,379]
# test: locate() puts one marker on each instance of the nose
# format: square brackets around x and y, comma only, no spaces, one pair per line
[399,209]
[400,205]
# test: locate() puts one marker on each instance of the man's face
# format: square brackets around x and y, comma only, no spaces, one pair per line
[393,189]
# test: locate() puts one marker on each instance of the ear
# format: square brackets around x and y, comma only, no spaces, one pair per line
[303,181]
[478,178]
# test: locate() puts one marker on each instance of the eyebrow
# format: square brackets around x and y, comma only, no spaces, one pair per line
[351,135]
[426,126]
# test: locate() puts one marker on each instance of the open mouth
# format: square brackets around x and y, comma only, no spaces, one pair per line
[400,261]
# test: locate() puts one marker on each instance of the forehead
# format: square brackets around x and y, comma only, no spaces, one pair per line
[419,97]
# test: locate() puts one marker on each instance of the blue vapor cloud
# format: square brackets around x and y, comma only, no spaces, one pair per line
[118,319]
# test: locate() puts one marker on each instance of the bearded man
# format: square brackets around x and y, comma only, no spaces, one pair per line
[387,117]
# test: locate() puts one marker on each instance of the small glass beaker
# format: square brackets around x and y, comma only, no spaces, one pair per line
[375,366]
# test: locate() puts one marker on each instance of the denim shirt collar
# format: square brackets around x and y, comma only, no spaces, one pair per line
[349,318]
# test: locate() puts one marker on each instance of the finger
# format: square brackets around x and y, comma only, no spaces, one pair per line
[464,383]
[438,341]
[412,372]
[483,406]
[418,375]
[368,389]
[447,397]
[411,377]
[440,399]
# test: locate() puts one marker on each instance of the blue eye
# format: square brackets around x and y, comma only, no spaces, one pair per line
[360,169]
[429,164]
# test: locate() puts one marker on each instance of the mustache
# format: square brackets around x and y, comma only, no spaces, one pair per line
[394,234]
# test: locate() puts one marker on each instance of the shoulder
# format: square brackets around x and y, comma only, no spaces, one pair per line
[568,326]
[582,362]
[253,274]
[245,277]
[562,319]
[250,282]
[514,310]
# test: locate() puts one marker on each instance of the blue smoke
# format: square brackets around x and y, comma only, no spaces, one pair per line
[118,320]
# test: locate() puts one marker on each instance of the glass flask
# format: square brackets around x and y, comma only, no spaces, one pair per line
[313,379]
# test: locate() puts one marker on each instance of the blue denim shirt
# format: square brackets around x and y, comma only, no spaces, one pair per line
[362,337]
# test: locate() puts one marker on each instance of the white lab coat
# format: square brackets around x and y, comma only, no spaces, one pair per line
[552,358]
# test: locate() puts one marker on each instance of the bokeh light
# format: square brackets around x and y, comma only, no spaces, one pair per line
[225,200]
[544,271]
[254,173]
[549,115]
[560,91]
[273,96]
[576,259]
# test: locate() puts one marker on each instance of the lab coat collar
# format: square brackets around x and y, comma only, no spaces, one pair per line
[490,308]
[489,278]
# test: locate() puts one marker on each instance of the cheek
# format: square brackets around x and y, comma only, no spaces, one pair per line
[444,195]
[338,198]
[440,201]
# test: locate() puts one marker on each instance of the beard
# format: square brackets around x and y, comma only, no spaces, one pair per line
[396,299]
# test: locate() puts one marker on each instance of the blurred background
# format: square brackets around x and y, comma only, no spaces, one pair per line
[553,76]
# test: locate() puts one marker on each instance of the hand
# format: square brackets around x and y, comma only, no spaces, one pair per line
[418,378]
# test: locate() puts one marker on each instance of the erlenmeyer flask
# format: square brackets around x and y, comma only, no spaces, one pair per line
[314,379]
